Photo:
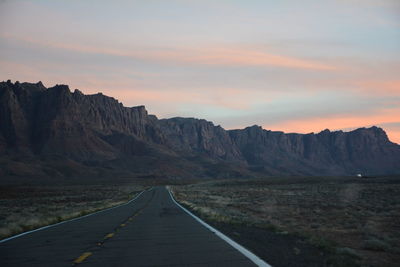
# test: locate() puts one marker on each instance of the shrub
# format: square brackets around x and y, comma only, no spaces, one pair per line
[376,245]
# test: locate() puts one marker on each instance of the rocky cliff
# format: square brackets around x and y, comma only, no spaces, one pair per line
[366,151]
[41,126]
[43,121]
[199,136]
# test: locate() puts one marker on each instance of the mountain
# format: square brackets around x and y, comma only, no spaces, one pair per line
[53,132]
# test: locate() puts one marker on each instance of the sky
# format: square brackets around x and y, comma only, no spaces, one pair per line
[293,66]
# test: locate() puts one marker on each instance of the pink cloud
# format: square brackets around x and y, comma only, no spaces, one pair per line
[226,56]
[204,55]
[373,86]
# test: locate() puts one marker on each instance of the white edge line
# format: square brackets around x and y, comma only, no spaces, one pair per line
[250,255]
[70,220]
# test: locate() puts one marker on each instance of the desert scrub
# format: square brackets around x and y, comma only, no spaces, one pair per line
[376,244]
[361,215]
[24,208]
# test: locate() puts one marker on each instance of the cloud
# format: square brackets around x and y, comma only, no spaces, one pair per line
[391,87]
[243,57]
[207,55]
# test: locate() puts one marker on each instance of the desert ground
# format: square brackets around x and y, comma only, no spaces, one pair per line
[315,221]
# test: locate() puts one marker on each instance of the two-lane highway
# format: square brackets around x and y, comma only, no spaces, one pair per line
[152,230]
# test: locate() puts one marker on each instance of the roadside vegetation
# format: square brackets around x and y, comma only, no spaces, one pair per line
[23,208]
[352,221]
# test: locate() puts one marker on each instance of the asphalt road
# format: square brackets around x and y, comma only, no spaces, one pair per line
[149,231]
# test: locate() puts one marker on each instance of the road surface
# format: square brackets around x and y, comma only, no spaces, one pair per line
[150,231]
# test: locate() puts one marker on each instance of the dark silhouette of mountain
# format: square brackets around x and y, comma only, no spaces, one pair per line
[53,132]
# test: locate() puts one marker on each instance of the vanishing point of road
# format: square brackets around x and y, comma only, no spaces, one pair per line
[151,230]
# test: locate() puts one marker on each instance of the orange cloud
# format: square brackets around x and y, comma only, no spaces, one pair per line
[204,55]
[341,122]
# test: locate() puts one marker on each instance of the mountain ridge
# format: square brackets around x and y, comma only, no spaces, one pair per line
[97,133]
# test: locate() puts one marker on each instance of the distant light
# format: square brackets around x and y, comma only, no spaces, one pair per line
[359,175]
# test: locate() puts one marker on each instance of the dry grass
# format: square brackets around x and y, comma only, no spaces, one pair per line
[24,208]
[357,217]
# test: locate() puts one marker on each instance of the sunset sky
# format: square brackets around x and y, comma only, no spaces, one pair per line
[295,66]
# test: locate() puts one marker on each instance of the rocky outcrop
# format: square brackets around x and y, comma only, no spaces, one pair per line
[365,150]
[95,130]
[199,136]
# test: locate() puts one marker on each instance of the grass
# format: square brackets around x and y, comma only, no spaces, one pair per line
[24,208]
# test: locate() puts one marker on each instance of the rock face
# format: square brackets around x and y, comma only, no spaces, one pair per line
[43,121]
[367,151]
[199,136]
[58,125]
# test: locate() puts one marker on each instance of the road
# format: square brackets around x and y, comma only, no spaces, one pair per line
[151,230]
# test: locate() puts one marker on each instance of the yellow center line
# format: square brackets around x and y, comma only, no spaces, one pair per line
[82,257]
[85,255]
[109,235]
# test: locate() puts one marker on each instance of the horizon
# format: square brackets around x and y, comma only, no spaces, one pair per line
[287,66]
